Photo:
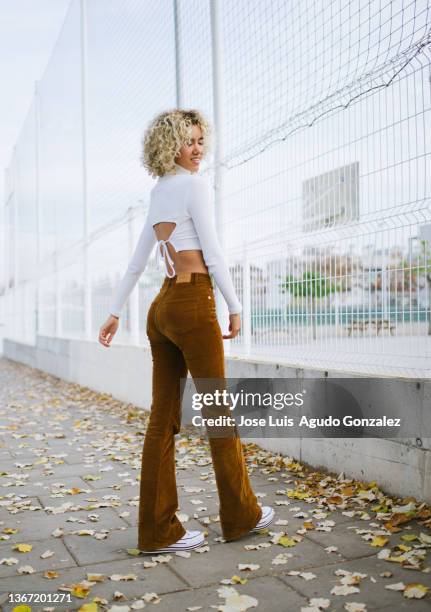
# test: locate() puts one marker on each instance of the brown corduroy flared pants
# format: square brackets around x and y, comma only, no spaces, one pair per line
[185,336]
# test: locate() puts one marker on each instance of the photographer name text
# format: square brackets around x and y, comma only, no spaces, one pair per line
[304,421]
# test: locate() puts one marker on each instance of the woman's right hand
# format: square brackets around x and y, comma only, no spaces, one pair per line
[234,326]
[108,330]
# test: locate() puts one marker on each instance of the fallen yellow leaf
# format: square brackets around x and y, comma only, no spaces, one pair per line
[399,559]
[96,577]
[348,491]
[23,547]
[414,590]
[409,537]
[286,541]
[398,518]
[334,499]
[89,607]
[403,547]
[308,525]
[80,591]
[238,580]
[297,494]
[51,574]
[379,541]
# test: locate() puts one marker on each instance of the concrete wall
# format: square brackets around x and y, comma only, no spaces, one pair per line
[400,467]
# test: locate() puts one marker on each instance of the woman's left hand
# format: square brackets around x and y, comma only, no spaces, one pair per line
[234,326]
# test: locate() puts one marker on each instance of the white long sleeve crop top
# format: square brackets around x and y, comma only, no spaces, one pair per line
[183,198]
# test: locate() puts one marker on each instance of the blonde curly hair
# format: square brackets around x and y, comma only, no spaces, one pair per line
[166,134]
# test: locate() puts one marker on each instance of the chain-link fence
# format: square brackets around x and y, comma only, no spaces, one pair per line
[322,174]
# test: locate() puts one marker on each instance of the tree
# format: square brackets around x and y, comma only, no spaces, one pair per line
[312,287]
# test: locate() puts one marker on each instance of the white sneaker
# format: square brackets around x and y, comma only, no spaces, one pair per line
[190,540]
[266,519]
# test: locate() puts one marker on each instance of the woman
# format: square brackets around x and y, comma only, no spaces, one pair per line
[184,334]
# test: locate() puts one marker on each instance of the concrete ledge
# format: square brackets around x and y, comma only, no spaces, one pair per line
[399,466]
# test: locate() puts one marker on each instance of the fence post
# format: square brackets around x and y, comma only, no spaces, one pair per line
[217,62]
[37,202]
[4,301]
[337,323]
[179,89]
[87,270]
[134,298]
[58,332]
[246,300]
[15,306]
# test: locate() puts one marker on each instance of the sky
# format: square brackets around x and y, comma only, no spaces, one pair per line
[28,32]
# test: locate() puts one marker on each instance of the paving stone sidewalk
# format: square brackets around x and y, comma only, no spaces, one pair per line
[69,493]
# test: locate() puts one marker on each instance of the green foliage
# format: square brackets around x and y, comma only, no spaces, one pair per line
[310,285]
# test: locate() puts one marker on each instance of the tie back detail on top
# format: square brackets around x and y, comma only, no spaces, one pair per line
[162,249]
[184,199]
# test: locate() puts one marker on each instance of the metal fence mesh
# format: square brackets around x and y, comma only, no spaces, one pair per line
[324,113]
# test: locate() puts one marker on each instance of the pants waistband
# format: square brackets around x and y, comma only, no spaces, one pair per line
[195,278]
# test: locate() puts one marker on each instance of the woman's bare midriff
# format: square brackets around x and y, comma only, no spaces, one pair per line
[184,261]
